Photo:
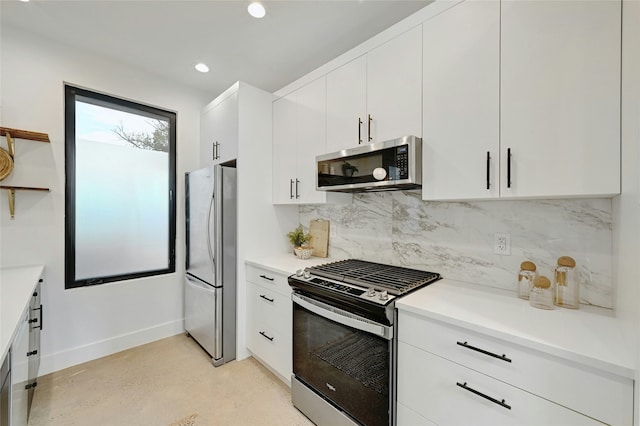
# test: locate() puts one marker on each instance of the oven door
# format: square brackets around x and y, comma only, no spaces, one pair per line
[344,358]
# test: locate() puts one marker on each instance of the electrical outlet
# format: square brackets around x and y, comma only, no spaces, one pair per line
[502,244]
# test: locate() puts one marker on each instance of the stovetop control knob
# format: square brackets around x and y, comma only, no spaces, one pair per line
[299,272]
[371,292]
[307,274]
[384,295]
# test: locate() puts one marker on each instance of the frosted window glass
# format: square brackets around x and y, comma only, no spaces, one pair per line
[122,213]
[122,185]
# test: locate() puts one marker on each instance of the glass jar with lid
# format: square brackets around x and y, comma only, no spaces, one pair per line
[525,278]
[541,294]
[567,283]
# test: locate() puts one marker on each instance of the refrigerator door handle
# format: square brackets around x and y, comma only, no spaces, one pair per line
[217,254]
[212,257]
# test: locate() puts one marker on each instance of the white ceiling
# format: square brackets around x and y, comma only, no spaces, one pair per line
[168,37]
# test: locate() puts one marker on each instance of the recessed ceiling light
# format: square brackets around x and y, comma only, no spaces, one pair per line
[24,0]
[202,67]
[256,10]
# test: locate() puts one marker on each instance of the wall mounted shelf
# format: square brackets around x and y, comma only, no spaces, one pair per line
[12,134]
[12,195]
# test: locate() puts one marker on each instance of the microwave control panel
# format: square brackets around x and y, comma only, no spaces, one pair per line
[402,162]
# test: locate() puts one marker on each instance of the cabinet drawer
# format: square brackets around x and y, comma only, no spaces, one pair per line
[271,347]
[266,306]
[264,277]
[607,397]
[438,389]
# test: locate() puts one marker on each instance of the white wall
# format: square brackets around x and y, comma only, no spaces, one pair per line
[84,323]
[626,207]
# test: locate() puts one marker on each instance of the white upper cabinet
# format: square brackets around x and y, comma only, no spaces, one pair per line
[284,149]
[560,98]
[394,79]
[377,96]
[311,121]
[461,102]
[347,105]
[219,129]
[524,103]
[299,135]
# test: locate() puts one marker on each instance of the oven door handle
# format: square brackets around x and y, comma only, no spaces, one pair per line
[343,317]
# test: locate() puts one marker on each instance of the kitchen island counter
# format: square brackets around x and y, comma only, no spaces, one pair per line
[16,288]
[590,336]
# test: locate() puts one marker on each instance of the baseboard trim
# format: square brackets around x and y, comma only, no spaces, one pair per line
[50,363]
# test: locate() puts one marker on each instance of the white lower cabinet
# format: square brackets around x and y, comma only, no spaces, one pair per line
[450,394]
[20,374]
[269,322]
[451,375]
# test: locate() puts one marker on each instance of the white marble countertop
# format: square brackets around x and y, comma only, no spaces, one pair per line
[590,336]
[16,287]
[287,264]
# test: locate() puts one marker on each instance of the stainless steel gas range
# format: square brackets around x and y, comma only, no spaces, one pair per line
[344,342]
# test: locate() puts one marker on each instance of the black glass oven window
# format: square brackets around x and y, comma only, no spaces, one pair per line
[349,367]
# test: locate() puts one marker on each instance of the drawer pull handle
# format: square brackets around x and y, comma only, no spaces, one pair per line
[267,337]
[266,277]
[495,401]
[266,298]
[502,357]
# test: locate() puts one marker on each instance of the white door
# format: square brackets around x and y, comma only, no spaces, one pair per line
[225,129]
[347,105]
[394,82]
[560,98]
[284,150]
[20,374]
[311,139]
[461,98]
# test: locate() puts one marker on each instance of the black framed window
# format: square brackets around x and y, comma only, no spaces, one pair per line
[120,189]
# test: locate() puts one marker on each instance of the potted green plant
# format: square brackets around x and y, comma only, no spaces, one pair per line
[348,169]
[299,239]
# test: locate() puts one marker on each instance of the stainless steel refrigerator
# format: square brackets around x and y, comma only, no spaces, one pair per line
[210,280]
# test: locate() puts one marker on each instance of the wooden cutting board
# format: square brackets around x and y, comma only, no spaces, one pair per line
[319,230]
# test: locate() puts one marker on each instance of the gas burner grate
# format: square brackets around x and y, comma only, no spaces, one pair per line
[395,280]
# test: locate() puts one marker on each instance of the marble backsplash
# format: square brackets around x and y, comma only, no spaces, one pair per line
[456,238]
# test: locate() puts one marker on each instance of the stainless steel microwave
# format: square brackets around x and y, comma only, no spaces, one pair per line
[384,166]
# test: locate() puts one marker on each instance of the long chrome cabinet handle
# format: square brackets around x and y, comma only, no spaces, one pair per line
[213,151]
[502,357]
[265,336]
[369,128]
[495,401]
[488,167]
[291,189]
[266,277]
[297,182]
[359,130]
